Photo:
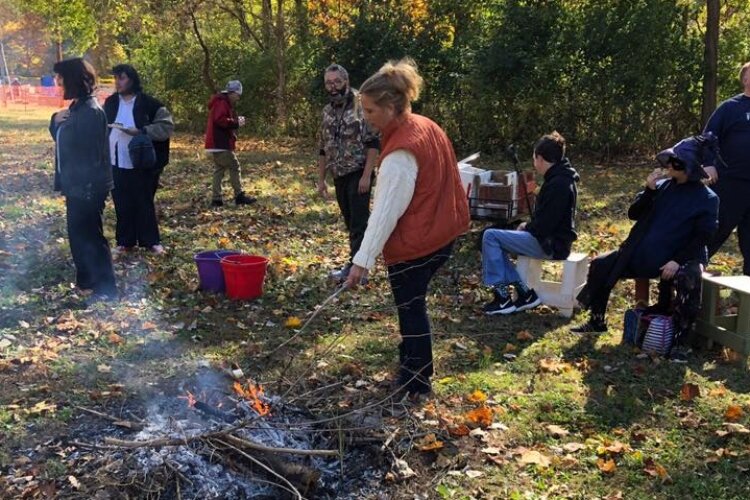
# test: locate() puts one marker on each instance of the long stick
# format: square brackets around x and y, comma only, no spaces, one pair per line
[157,443]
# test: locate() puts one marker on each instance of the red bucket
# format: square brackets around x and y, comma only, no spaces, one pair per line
[244,275]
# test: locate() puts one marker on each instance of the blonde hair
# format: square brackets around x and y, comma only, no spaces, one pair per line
[745,69]
[397,84]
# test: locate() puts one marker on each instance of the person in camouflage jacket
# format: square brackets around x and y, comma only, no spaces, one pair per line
[348,150]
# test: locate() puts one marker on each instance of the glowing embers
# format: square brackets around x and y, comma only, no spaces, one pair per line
[253,393]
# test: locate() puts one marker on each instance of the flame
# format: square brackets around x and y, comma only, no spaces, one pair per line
[189,398]
[253,393]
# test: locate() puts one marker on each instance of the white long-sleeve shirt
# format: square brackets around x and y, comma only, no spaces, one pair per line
[119,140]
[393,194]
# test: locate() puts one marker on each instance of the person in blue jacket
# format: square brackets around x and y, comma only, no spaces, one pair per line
[676,216]
[730,173]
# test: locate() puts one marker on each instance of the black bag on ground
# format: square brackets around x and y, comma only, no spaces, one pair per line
[142,153]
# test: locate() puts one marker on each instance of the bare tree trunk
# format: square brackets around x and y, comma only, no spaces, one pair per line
[710,59]
[207,79]
[280,32]
[266,15]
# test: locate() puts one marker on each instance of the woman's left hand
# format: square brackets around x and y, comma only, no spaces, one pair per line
[669,269]
[364,184]
[356,273]
[131,131]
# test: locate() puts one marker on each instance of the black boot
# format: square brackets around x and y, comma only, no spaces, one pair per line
[243,199]
[595,324]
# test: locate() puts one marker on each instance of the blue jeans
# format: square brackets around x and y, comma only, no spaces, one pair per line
[497,269]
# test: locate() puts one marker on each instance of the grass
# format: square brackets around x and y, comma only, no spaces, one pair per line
[115,355]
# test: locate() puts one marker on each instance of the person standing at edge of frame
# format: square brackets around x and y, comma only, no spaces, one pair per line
[729,169]
[84,176]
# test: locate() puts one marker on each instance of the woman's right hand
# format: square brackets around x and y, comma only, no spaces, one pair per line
[654,177]
[323,189]
[61,116]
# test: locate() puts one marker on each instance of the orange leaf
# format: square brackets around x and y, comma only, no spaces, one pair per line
[459,430]
[606,466]
[553,366]
[477,397]
[718,391]
[689,392]
[733,413]
[481,416]
[148,326]
[223,242]
[429,443]
[524,335]
[509,348]
[115,339]
[293,322]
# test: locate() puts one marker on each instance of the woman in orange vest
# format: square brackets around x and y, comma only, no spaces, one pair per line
[420,208]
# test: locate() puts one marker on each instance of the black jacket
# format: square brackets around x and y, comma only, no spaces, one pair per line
[82,167]
[144,114]
[553,221]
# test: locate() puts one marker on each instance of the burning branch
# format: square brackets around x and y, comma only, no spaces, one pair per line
[253,393]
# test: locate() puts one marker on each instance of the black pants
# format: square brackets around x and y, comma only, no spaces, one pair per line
[88,245]
[134,205]
[686,282]
[733,213]
[354,207]
[409,282]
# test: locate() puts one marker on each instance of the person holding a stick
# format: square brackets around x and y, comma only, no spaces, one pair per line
[419,210]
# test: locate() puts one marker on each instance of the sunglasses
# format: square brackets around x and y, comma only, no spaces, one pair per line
[676,163]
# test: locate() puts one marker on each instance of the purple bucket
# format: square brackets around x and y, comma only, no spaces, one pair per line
[209,269]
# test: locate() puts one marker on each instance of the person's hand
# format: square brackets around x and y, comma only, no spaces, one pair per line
[669,269]
[323,189]
[364,184]
[241,121]
[654,177]
[356,273]
[61,116]
[131,131]
[713,175]
[521,227]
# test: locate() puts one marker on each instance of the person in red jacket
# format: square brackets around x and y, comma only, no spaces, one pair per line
[221,136]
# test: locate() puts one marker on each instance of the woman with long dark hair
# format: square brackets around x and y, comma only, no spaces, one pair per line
[131,112]
[83,175]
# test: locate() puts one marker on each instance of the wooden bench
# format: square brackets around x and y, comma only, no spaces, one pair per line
[730,330]
[559,294]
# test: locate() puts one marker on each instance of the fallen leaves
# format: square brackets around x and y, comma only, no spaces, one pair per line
[549,365]
[534,457]
[481,416]
[293,322]
[115,339]
[689,392]
[524,336]
[574,447]
[477,397]
[733,413]
[607,466]
[557,431]
[653,469]
[429,443]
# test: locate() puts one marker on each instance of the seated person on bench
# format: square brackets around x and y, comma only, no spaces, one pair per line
[548,235]
[676,215]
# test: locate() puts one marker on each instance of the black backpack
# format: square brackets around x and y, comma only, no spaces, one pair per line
[142,153]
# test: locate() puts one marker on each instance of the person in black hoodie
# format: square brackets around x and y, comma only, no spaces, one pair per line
[676,215]
[131,112]
[548,235]
[83,175]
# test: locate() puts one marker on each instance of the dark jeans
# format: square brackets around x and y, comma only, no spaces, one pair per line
[88,245]
[409,282]
[134,205]
[733,213]
[354,207]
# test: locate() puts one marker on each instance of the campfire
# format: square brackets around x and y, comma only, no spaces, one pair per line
[214,439]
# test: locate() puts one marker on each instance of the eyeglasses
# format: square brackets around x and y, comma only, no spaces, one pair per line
[334,83]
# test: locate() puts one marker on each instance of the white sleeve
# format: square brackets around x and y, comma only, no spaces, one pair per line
[393,193]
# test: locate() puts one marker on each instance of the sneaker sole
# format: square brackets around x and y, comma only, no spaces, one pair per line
[501,311]
[530,305]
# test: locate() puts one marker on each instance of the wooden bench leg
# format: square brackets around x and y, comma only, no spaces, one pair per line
[642,290]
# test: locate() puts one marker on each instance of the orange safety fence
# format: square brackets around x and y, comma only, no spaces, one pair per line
[38,96]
